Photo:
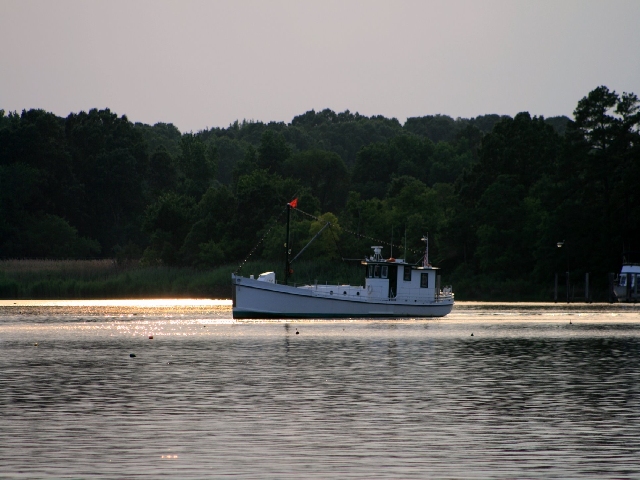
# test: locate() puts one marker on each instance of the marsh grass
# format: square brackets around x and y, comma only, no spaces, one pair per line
[107,279]
[80,268]
[102,279]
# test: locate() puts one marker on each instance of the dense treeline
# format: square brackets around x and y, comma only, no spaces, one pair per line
[494,193]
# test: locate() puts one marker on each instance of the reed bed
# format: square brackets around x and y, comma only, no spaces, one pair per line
[85,268]
[104,279]
[107,279]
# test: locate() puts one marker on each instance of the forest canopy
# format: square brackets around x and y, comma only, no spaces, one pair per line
[494,193]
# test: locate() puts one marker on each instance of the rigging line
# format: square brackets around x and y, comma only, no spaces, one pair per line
[384,242]
[259,241]
[328,224]
[310,242]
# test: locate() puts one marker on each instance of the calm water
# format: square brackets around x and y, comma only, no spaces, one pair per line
[538,391]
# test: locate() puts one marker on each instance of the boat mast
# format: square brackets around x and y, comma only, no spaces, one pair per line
[287,250]
[404,252]
[425,259]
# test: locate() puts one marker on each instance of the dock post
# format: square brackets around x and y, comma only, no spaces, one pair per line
[611,296]
[586,287]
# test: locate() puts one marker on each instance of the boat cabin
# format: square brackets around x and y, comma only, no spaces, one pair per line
[629,276]
[396,279]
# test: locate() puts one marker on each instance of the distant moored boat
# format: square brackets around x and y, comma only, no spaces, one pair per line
[625,285]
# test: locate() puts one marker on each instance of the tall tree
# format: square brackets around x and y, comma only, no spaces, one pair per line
[198,164]
[273,151]
[600,169]
[110,161]
[324,173]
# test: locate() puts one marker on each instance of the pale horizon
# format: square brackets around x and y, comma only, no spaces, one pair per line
[200,64]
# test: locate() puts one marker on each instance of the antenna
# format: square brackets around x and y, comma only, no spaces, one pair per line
[405,244]
[425,261]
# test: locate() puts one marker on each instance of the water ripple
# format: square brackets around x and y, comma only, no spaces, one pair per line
[533,398]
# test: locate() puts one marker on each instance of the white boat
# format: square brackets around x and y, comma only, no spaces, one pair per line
[392,288]
[625,285]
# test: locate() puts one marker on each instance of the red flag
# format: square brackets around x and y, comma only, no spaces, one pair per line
[293,203]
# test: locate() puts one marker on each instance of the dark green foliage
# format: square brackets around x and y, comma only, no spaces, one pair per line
[230,153]
[494,193]
[485,123]
[36,141]
[346,133]
[603,157]
[505,224]
[261,198]
[559,124]
[163,172]
[324,174]
[168,222]
[109,162]
[437,128]
[442,128]
[378,163]
[52,237]
[161,136]
[272,152]
[197,165]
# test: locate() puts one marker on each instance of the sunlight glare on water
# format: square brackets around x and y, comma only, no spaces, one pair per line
[177,388]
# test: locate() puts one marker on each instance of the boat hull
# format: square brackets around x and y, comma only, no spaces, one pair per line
[254,299]
[623,296]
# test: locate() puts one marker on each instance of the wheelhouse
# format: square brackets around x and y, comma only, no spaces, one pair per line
[396,279]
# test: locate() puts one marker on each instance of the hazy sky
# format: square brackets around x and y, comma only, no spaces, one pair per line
[200,64]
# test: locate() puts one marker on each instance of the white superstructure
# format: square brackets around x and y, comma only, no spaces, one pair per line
[626,285]
[392,288]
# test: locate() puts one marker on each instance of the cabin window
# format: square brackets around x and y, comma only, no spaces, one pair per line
[424,280]
[370,271]
[623,279]
[407,274]
[385,271]
[376,272]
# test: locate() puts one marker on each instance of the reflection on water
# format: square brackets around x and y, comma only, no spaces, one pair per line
[528,395]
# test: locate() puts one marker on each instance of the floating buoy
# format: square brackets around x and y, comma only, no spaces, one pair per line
[472,334]
[297,332]
[150,337]
[570,322]
[132,355]
[35,344]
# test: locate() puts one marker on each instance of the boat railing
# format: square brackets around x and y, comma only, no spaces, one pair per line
[445,293]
